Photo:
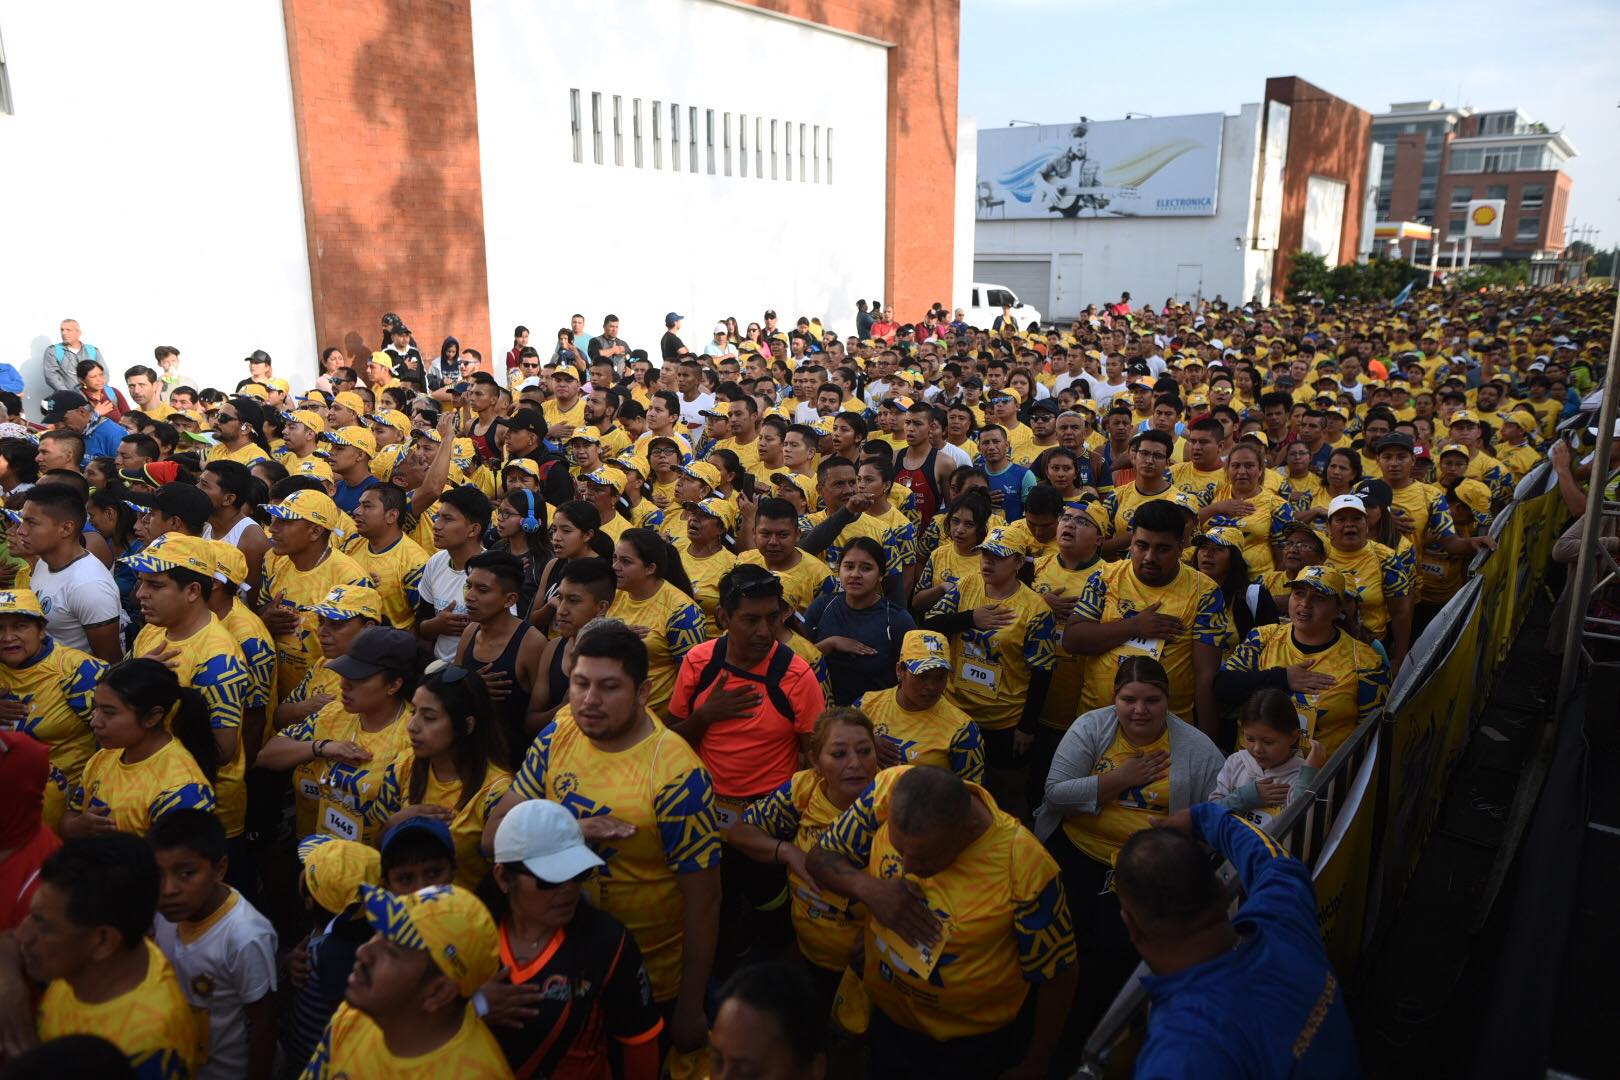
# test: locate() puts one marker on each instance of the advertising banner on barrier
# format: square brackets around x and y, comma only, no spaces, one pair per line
[1341,869]
[1151,167]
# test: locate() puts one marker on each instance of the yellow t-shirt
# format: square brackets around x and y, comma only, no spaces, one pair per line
[211,662]
[554,413]
[1375,575]
[947,566]
[991,669]
[336,799]
[1360,679]
[58,684]
[661,788]
[706,574]
[300,590]
[1261,528]
[944,735]
[466,827]
[1113,592]
[676,623]
[1002,912]
[1016,534]
[800,585]
[1185,476]
[1122,503]
[1301,492]
[891,529]
[825,923]
[353,1046]
[249,454]
[152,1024]
[1068,669]
[1100,835]
[258,652]
[397,572]
[1424,505]
[137,795]
[747,453]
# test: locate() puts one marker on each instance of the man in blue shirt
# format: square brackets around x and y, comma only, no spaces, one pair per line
[1292,1020]
[70,409]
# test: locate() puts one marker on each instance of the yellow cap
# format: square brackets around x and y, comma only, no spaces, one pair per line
[702,470]
[1005,391]
[351,401]
[312,506]
[21,602]
[278,384]
[586,434]
[310,419]
[392,418]
[356,436]
[350,601]
[719,408]
[605,477]
[230,565]
[1452,448]
[382,359]
[447,922]
[319,468]
[522,465]
[173,551]
[800,483]
[722,510]
[924,650]
[1324,579]
[1220,534]
[1463,416]
[334,870]
[254,390]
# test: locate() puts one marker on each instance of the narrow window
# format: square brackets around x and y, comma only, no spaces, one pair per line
[773,149]
[803,173]
[725,135]
[675,137]
[742,144]
[635,127]
[618,130]
[658,134]
[596,126]
[7,108]
[787,150]
[691,137]
[708,139]
[815,150]
[829,155]
[573,113]
[759,147]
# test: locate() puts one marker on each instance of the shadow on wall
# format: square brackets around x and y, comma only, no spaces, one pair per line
[408,238]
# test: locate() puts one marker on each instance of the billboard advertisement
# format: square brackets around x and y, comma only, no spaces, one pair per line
[1149,167]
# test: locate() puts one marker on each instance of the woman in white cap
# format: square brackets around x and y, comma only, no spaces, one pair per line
[549,940]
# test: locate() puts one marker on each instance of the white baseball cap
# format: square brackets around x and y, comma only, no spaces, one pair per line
[721,328]
[544,837]
[1340,502]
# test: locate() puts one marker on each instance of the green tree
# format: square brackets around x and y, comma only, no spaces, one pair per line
[1307,277]
[1490,275]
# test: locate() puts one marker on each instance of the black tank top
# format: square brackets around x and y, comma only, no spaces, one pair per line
[515,709]
[556,681]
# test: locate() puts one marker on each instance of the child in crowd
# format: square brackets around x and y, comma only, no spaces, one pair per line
[219,945]
[318,967]
[1264,776]
[416,853]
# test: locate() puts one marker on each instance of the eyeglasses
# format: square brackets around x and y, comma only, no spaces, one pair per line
[752,590]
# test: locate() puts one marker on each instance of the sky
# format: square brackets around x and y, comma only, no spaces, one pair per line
[1054,60]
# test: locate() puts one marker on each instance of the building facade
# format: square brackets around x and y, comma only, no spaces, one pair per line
[1438,159]
[276,174]
[1215,206]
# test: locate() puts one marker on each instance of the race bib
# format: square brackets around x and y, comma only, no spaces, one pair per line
[917,960]
[978,675]
[1305,709]
[335,822]
[310,789]
[1432,569]
[1137,646]
[727,812]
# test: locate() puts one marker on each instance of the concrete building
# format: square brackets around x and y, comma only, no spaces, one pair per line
[1438,158]
[1237,196]
[276,174]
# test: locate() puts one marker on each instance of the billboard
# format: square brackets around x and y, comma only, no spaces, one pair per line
[1150,167]
[1485,219]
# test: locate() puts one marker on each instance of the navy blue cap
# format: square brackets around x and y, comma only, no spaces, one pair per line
[420,823]
[672,318]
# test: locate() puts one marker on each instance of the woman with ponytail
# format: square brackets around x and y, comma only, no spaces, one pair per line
[157,753]
[654,592]
[576,533]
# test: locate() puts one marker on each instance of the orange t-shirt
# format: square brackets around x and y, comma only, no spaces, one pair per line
[756,754]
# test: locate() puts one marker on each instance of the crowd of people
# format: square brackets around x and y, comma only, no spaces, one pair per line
[781,705]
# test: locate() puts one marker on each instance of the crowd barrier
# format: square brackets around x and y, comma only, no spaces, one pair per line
[1374,801]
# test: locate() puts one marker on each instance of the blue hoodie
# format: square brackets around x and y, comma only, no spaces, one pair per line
[1272,1007]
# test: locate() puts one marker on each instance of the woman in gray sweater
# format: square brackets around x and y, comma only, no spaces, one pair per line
[1117,770]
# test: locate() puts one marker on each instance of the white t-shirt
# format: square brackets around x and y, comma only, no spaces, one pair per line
[957,456]
[81,594]
[692,411]
[445,588]
[229,967]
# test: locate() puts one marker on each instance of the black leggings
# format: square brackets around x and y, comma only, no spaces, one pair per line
[1106,955]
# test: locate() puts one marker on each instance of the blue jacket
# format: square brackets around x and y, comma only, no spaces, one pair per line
[1272,1007]
[101,438]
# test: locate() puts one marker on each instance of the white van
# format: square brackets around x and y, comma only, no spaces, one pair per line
[988,300]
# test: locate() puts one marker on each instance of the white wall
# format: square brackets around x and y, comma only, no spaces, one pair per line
[150,187]
[563,236]
[967,171]
[1141,255]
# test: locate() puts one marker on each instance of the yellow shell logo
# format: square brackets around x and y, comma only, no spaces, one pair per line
[1484,215]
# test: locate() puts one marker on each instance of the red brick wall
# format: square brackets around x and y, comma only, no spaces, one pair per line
[388,146]
[387,121]
[1327,137]
[922,136]
[1403,197]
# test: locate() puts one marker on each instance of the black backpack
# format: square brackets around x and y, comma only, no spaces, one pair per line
[781,660]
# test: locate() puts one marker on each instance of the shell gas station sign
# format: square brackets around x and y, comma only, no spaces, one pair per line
[1485,219]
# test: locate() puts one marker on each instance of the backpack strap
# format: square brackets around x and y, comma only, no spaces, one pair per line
[781,659]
